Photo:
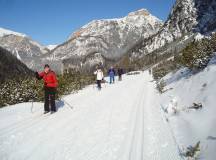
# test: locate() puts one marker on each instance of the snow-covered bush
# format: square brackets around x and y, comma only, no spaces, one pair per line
[197,54]
[70,82]
[172,107]
[160,86]
[25,89]
[20,89]
[196,106]
[164,68]
[192,152]
[133,73]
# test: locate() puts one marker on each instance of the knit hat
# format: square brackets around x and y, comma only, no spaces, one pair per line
[46,66]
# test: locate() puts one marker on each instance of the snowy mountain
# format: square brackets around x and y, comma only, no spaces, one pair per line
[21,43]
[30,52]
[10,66]
[107,41]
[51,47]
[136,35]
[103,41]
[187,18]
[4,32]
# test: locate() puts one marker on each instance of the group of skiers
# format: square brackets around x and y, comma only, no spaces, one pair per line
[111,73]
[51,84]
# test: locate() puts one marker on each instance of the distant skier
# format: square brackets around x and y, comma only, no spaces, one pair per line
[111,74]
[120,73]
[50,85]
[99,77]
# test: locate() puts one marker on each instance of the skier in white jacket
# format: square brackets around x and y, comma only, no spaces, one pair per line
[99,76]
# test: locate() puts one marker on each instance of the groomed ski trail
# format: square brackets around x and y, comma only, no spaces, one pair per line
[121,122]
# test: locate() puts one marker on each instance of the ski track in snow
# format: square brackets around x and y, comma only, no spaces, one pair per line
[121,122]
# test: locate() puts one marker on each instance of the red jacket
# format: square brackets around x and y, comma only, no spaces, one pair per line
[49,78]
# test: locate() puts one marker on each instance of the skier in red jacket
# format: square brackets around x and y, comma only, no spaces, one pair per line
[50,85]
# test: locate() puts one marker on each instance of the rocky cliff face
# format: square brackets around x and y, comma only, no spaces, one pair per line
[22,46]
[187,18]
[10,66]
[101,41]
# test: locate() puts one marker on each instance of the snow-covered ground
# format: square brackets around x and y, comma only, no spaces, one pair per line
[190,125]
[123,121]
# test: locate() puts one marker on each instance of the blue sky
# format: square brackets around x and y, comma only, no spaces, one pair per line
[52,21]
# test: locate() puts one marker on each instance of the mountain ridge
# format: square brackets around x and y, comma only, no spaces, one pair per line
[107,41]
[109,38]
[186,19]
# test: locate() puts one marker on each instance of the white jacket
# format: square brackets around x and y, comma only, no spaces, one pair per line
[99,74]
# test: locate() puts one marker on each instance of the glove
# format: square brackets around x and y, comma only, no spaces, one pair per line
[37,76]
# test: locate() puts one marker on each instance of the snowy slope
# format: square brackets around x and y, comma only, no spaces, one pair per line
[190,125]
[121,122]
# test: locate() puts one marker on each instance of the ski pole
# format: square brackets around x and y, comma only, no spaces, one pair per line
[71,107]
[32,105]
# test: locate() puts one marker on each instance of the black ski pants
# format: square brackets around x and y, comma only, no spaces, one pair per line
[49,98]
[99,84]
